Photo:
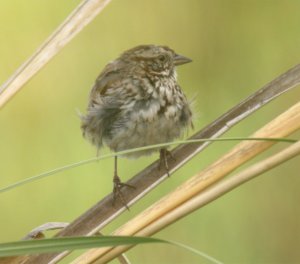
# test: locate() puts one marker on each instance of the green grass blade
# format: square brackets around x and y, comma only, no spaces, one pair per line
[84,162]
[195,251]
[38,246]
[69,243]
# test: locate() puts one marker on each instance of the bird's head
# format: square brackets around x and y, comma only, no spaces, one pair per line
[155,60]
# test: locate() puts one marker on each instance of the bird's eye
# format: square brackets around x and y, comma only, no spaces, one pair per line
[162,58]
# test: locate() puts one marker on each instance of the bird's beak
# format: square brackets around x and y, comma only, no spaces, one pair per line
[179,60]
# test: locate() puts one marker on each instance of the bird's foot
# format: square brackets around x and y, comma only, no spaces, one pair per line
[117,193]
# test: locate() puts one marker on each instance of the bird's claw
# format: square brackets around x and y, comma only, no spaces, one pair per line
[117,190]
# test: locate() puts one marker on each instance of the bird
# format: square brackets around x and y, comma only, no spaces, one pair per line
[136,101]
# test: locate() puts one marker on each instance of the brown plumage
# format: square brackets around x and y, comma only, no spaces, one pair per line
[136,101]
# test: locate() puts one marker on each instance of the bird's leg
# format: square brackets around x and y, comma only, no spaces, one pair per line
[118,185]
[163,159]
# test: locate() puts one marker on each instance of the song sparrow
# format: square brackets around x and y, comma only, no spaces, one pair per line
[136,101]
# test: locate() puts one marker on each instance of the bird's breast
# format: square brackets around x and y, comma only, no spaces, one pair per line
[151,120]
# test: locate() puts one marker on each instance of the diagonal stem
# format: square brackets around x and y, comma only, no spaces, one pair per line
[74,23]
[205,186]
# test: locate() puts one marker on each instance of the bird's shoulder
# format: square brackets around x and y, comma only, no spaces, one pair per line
[112,76]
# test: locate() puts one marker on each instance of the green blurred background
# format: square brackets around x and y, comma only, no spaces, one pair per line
[236,46]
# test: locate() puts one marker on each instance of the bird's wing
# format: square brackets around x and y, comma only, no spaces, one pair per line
[109,78]
[104,105]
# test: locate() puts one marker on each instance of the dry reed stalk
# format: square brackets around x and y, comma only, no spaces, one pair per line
[86,11]
[283,125]
[209,195]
